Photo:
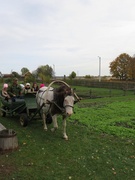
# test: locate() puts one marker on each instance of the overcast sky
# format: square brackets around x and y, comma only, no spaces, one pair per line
[68,35]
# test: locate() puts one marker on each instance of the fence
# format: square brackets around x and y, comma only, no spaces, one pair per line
[104,88]
[103,84]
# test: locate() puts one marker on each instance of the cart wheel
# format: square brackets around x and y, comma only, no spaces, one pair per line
[24,119]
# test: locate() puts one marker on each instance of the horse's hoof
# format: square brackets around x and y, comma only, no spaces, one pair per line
[65,138]
[45,129]
[52,130]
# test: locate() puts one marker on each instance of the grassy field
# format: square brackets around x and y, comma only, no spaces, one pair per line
[110,115]
[101,144]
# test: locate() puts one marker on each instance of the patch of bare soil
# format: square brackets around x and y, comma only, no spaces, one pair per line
[6,170]
[7,167]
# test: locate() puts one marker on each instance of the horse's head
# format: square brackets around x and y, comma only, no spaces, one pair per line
[68,105]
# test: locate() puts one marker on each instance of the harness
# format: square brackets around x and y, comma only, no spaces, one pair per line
[42,91]
[52,102]
[68,106]
[46,101]
[61,109]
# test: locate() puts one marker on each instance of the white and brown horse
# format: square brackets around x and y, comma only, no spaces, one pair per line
[55,101]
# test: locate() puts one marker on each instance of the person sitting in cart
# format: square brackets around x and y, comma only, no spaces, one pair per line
[27,88]
[42,85]
[4,92]
[15,90]
[35,87]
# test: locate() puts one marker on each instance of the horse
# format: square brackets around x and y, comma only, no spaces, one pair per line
[56,101]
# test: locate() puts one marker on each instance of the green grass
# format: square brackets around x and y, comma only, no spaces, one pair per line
[110,115]
[100,146]
[87,155]
[101,92]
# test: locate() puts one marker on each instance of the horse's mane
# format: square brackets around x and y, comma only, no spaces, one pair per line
[60,93]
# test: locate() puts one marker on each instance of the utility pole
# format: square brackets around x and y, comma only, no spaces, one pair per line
[53,71]
[99,68]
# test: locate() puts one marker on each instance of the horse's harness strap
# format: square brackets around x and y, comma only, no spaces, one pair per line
[68,106]
[53,102]
[42,91]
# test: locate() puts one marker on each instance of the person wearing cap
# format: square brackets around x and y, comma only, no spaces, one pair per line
[15,90]
[27,88]
[4,92]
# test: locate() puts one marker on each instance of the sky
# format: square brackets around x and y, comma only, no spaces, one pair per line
[68,35]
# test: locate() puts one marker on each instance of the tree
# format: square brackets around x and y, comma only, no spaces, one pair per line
[72,75]
[29,77]
[132,68]
[15,74]
[24,70]
[45,73]
[121,67]
[87,76]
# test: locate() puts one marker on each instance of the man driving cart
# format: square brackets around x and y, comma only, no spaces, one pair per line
[15,90]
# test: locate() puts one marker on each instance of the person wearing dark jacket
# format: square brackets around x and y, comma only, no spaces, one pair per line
[35,87]
[14,90]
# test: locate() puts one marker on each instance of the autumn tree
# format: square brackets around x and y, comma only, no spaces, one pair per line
[121,67]
[132,68]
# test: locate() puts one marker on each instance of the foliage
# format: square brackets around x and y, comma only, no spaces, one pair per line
[7,80]
[15,74]
[72,75]
[132,68]
[24,70]
[123,67]
[29,78]
[87,76]
[44,73]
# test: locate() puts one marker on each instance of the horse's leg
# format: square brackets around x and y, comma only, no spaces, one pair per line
[55,124]
[44,121]
[64,129]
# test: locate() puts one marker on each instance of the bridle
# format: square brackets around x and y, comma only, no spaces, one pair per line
[68,106]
